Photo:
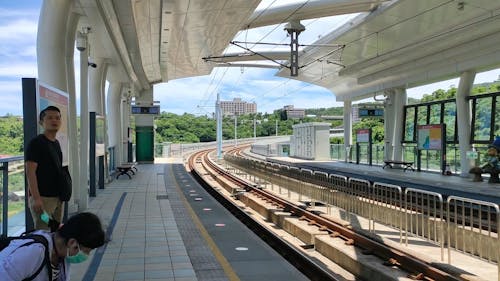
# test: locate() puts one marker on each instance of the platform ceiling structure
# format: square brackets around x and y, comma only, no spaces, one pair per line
[157,41]
[399,43]
[406,44]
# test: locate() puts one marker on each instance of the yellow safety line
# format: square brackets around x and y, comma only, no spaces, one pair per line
[204,233]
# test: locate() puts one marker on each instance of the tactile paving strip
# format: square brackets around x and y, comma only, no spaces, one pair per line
[204,263]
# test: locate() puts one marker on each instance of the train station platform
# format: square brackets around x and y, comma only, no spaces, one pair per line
[162,225]
[430,181]
[464,265]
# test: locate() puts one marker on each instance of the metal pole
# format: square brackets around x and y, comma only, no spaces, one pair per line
[276,127]
[92,178]
[235,129]
[218,116]
[5,197]
[84,128]
[254,130]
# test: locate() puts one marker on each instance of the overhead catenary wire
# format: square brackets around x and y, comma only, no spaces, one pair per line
[263,37]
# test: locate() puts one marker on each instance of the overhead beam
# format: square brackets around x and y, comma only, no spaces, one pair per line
[466,51]
[311,10]
[110,21]
[246,56]
[466,32]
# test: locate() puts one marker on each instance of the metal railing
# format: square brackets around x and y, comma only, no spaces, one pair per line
[430,159]
[422,211]
[9,198]
[424,216]
[387,205]
[471,228]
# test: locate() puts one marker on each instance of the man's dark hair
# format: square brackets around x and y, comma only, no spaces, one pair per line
[86,228]
[48,108]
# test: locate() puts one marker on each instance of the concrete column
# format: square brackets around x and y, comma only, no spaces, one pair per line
[400,100]
[51,42]
[97,82]
[347,128]
[389,121]
[145,98]
[125,124]
[96,85]
[105,116]
[114,119]
[464,119]
[84,131]
[74,158]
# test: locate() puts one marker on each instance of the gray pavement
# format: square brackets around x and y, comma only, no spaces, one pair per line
[145,243]
[148,239]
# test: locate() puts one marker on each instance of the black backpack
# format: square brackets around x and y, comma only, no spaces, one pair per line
[5,241]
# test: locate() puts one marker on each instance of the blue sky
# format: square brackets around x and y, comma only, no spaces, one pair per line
[18,27]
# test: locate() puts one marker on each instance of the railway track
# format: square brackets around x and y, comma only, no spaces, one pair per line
[201,165]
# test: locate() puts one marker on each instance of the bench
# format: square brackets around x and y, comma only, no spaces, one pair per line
[406,164]
[125,168]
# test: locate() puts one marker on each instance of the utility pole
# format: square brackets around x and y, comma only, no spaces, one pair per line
[294,28]
[218,117]
[235,129]
[254,130]
[276,127]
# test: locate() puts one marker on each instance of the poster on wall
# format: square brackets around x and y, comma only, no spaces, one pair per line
[47,96]
[99,135]
[430,137]
[363,135]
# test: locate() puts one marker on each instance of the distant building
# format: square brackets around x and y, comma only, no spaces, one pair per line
[355,113]
[294,113]
[237,107]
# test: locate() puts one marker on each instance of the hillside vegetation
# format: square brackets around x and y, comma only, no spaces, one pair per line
[188,128]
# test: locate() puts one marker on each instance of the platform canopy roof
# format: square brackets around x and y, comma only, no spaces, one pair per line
[389,44]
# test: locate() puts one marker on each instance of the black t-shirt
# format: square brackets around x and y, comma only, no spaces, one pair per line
[47,172]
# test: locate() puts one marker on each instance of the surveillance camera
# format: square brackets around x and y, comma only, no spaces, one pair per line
[91,64]
[81,42]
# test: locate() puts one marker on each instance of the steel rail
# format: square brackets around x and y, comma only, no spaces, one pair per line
[302,262]
[405,261]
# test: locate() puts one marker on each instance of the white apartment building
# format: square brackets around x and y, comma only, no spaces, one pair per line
[237,107]
[294,113]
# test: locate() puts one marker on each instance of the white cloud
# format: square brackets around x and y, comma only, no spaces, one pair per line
[11,97]
[24,30]
[18,70]
[197,95]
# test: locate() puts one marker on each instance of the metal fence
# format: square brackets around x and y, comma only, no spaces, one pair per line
[473,228]
[387,205]
[9,167]
[415,212]
[424,216]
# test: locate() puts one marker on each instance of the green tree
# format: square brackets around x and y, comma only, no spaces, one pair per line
[11,135]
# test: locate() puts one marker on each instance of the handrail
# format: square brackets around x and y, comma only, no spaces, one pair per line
[11,159]
[4,167]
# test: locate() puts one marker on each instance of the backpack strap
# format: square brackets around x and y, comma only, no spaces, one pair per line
[46,259]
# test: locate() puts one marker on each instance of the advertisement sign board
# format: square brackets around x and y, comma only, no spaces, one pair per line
[47,96]
[430,137]
[363,135]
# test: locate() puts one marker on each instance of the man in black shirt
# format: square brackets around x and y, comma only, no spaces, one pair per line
[43,159]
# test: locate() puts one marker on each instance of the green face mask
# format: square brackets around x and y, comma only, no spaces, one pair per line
[78,258]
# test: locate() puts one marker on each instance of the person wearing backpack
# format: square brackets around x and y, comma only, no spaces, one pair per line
[47,256]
